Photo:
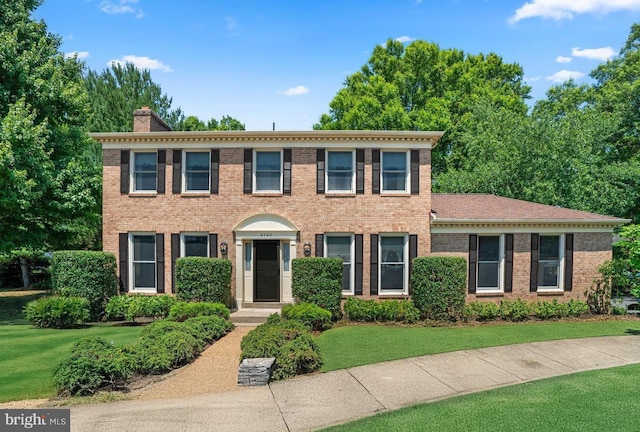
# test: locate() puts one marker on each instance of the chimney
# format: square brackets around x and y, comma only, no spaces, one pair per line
[145,120]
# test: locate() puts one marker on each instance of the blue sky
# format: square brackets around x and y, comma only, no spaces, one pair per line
[283,61]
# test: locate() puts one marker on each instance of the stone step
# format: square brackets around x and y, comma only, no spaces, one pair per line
[252,316]
[263,305]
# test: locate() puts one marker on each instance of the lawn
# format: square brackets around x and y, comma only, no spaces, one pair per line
[356,345]
[601,400]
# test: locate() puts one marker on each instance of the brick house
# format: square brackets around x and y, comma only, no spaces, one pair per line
[260,199]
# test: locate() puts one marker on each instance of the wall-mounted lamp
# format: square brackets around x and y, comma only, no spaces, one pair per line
[307,249]
[224,248]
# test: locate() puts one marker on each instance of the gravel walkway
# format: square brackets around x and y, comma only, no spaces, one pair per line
[215,371]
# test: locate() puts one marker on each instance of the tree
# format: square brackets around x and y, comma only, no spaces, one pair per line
[193,123]
[48,193]
[118,91]
[422,87]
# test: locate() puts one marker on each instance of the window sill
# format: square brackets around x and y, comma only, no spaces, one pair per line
[489,293]
[340,194]
[396,294]
[548,292]
[195,194]
[267,194]
[395,194]
[143,194]
[143,291]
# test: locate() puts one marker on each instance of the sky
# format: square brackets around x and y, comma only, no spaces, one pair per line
[282,62]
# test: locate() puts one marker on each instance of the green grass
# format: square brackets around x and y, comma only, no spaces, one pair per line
[349,346]
[602,400]
[11,307]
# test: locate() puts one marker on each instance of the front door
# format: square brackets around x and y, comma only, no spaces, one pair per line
[266,271]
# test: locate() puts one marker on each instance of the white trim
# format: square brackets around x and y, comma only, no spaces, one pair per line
[352,190]
[407,166]
[352,273]
[405,261]
[184,172]
[561,263]
[132,172]
[501,264]
[130,262]
[254,166]
[193,234]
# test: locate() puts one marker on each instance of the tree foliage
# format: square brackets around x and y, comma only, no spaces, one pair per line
[193,123]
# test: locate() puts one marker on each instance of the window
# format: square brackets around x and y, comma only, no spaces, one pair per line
[143,262]
[195,244]
[490,263]
[341,246]
[550,262]
[393,264]
[394,171]
[144,170]
[268,171]
[340,172]
[196,171]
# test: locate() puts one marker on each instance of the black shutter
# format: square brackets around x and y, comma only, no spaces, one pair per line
[415,172]
[215,170]
[124,171]
[360,171]
[373,283]
[160,262]
[177,172]
[413,253]
[533,277]
[358,265]
[320,171]
[162,162]
[508,264]
[213,245]
[123,251]
[375,171]
[248,167]
[175,254]
[473,262]
[568,262]
[286,173]
[319,245]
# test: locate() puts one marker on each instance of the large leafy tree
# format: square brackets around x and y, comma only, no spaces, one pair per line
[48,190]
[193,123]
[121,89]
[420,86]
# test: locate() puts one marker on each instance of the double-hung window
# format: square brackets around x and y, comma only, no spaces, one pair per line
[395,172]
[196,171]
[143,262]
[550,262]
[340,171]
[341,246]
[490,263]
[194,244]
[393,264]
[144,171]
[267,172]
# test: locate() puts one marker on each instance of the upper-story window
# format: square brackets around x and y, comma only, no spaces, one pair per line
[196,171]
[144,171]
[395,173]
[340,171]
[267,173]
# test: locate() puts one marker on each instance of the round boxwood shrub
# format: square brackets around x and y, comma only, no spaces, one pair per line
[203,279]
[438,286]
[315,317]
[58,312]
[318,281]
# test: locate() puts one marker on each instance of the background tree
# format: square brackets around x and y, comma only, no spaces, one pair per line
[193,123]
[48,193]
[422,87]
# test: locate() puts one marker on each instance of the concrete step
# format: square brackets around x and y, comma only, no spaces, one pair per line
[263,305]
[252,316]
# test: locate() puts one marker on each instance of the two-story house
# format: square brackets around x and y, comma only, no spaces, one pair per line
[261,199]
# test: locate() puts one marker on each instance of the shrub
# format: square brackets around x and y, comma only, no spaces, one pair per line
[576,308]
[387,310]
[515,310]
[315,317]
[93,363]
[482,310]
[210,327]
[203,279]
[599,294]
[181,311]
[318,281]
[57,312]
[438,286]
[280,339]
[87,274]
[134,306]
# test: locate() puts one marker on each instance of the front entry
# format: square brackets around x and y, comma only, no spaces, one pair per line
[266,271]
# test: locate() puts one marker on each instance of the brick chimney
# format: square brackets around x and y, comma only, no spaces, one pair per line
[145,120]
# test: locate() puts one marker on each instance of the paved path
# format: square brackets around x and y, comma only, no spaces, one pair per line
[311,402]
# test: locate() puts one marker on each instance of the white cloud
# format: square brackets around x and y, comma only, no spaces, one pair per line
[563,59]
[564,75]
[404,39]
[80,54]
[567,9]
[295,91]
[116,7]
[601,54]
[142,62]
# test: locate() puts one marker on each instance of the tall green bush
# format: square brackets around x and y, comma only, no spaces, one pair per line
[318,281]
[203,279]
[88,274]
[438,286]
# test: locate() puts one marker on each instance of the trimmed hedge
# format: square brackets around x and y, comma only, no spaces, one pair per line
[519,310]
[132,306]
[58,312]
[203,279]
[182,311]
[318,281]
[313,316]
[438,286]
[386,310]
[88,274]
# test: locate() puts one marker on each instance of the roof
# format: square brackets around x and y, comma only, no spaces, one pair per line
[486,209]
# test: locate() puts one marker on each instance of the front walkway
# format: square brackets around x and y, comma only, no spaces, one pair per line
[319,400]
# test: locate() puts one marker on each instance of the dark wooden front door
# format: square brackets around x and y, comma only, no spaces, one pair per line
[266,271]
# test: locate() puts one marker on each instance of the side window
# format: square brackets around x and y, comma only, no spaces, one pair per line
[395,174]
[268,171]
[196,172]
[144,171]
